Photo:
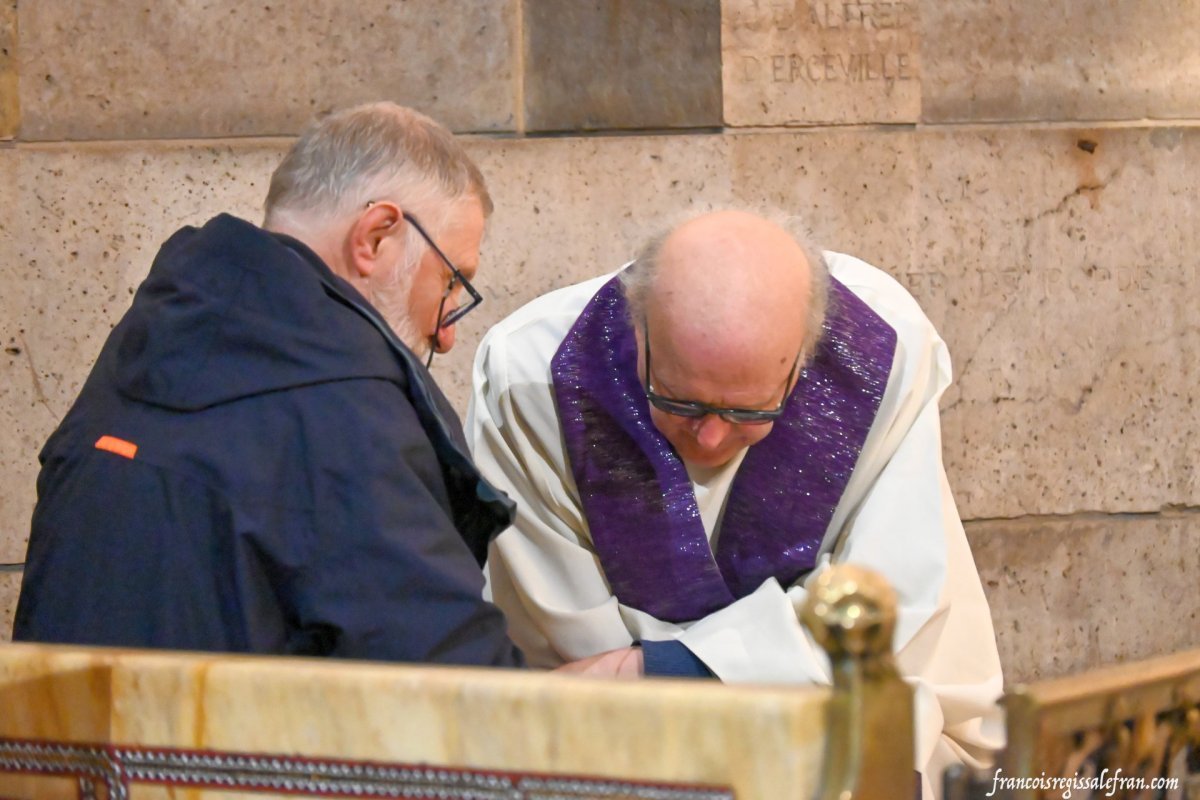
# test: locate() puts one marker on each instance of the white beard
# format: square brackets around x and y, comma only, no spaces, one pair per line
[406,329]
[390,297]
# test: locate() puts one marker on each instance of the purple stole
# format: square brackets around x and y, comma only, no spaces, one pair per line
[637,496]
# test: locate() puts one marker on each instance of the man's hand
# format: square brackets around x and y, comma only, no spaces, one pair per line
[624,663]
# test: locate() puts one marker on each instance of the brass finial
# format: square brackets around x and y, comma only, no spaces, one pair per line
[851,611]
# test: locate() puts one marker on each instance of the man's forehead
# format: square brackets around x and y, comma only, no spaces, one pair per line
[714,366]
[749,337]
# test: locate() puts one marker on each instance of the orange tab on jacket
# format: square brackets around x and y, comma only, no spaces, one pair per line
[119,446]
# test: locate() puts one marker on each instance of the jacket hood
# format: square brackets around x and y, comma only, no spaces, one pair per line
[230,310]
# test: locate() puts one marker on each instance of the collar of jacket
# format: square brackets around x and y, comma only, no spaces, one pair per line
[480,510]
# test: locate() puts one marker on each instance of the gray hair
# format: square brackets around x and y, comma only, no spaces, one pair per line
[639,278]
[343,161]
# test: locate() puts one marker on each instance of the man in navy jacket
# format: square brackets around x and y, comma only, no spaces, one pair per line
[259,461]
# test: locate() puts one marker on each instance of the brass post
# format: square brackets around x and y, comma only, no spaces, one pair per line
[851,612]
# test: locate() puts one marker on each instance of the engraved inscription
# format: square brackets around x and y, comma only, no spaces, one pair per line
[869,16]
[784,17]
[813,61]
[828,67]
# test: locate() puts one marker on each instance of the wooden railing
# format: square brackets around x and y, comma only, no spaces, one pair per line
[1131,731]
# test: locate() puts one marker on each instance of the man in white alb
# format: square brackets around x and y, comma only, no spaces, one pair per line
[693,440]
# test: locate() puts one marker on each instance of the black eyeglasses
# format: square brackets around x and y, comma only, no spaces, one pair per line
[694,409]
[455,277]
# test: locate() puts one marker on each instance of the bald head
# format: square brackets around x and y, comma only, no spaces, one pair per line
[730,292]
[724,307]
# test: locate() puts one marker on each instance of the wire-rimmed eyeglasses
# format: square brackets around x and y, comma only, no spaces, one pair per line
[695,409]
[456,276]
[443,320]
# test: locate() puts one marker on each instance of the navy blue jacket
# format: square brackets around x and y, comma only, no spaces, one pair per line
[299,485]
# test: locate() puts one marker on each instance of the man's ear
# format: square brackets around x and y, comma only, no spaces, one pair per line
[368,236]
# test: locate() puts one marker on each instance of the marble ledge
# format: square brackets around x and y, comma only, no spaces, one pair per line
[488,719]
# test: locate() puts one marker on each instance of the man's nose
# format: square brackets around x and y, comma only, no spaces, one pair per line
[711,431]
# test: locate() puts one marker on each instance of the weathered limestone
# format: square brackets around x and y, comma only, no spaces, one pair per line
[87,222]
[10,107]
[1011,60]
[610,65]
[571,209]
[17,385]
[854,190]
[233,69]
[1057,264]
[10,587]
[806,63]
[1071,594]
[81,227]
[1062,267]
[793,63]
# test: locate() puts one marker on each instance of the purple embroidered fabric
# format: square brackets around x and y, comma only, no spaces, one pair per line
[637,496]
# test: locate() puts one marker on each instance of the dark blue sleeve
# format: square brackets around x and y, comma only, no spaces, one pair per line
[390,576]
[671,659]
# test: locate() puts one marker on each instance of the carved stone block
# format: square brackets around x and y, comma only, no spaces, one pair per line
[1012,60]
[226,68]
[10,587]
[787,62]
[1073,594]
[10,107]
[605,64]
[568,210]
[80,228]
[1061,267]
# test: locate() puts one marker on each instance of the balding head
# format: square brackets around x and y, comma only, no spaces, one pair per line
[730,301]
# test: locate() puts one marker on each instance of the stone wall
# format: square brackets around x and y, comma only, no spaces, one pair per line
[1028,170]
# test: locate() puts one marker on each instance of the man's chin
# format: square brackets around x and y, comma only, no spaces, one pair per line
[707,459]
[411,337]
